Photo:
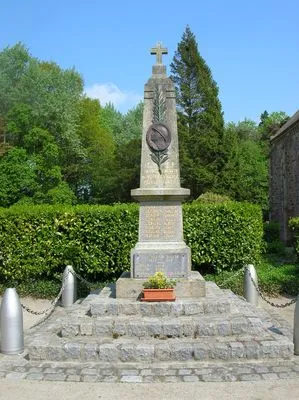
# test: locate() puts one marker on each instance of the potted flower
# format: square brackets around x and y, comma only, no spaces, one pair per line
[158,288]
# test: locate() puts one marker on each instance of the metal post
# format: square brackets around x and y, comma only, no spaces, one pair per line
[250,291]
[69,293]
[11,323]
[296,328]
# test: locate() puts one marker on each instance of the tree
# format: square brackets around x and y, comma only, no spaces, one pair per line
[92,175]
[200,117]
[270,123]
[17,177]
[245,173]
[51,93]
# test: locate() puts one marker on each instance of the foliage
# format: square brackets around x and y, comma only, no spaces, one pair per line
[210,197]
[200,117]
[51,93]
[272,239]
[17,177]
[90,176]
[275,276]
[244,176]
[37,242]
[294,226]
[269,125]
[123,128]
[223,236]
[159,281]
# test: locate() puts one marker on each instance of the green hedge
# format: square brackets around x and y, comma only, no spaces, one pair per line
[223,237]
[36,242]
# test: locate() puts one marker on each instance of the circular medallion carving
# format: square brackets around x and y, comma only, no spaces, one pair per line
[158,137]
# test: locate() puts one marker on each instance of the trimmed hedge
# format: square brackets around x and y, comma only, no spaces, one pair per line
[223,237]
[36,242]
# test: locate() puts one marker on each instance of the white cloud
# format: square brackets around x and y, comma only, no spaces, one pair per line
[110,93]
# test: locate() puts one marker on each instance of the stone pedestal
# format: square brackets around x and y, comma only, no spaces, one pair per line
[186,288]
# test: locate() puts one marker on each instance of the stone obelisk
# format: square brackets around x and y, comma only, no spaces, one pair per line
[160,246]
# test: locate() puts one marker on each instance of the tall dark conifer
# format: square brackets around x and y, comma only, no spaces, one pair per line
[200,122]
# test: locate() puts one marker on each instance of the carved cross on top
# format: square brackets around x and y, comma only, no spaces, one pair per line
[159,50]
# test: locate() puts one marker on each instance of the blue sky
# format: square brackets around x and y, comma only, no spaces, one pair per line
[250,46]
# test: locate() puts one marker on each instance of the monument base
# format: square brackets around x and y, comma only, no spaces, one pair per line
[148,258]
[131,288]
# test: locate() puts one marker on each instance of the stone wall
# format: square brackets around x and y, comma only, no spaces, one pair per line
[284,175]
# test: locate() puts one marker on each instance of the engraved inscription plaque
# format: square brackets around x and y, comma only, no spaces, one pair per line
[173,264]
[161,223]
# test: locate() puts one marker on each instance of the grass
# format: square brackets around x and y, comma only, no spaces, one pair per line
[277,275]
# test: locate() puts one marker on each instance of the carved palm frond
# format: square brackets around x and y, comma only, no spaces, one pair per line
[159,106]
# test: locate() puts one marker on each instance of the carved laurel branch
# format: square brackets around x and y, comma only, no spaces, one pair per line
[159,115]
[159,108]
[159,157]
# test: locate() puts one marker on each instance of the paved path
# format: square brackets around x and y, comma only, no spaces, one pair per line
[270,390]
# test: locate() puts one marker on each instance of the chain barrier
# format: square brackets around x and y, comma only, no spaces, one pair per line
[83,280]
[265,299]
[231,277]
[53,302]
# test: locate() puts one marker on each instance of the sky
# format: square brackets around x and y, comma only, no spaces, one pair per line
[251,46]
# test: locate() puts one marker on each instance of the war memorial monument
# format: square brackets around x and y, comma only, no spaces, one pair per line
[207,334]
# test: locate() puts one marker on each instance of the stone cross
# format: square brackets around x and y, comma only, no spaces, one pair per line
[158,51]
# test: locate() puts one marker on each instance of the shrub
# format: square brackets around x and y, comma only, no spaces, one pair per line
[37,242]
[271,231]
[294,226]
[223,236]
[210,198]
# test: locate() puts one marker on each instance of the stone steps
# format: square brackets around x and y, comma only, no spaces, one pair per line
[163,327]
[114,307]
[154,350]
[220,328]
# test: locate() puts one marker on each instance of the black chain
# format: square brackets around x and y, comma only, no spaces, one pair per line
[293,301]
[53,302]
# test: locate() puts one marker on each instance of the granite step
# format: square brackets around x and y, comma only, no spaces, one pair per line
[178,308]
[150,350]
[163,327]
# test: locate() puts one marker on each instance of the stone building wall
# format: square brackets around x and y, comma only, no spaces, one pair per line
[284,175]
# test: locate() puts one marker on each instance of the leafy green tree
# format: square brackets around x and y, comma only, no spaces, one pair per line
[127,169]
[17,177]
[268,126]
[51,93]
[123,128]
[245,173]
[270,123]
[200,117]
[14,63]
[92,176]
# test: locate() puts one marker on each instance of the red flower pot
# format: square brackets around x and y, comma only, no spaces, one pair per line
[158,295]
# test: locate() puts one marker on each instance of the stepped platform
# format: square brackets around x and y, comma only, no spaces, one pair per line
[102,338]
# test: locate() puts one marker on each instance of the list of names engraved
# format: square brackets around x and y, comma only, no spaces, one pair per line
[161,223]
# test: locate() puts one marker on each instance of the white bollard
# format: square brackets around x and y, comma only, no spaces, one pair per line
[69,293]
[11,323]
[250,292]
[296,328]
